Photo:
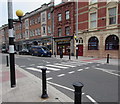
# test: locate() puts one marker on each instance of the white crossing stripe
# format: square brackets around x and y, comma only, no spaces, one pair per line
[57,66]
[92,100]
[65,65]
[49,78]
[87,68]
[79,69]
[54,69]
[35,69]
[71,72]
[60,75]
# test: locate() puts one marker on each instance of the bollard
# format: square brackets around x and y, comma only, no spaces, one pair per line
[107,58]
[7,61]
[78,87]
[69,54]
[55,54]
[76,53]
[44,88]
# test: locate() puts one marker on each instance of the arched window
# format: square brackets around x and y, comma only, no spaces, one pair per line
[93,43]
[112,42]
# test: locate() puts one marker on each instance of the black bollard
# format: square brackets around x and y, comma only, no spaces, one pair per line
[76,53]
[69,54]
[7,61]
[78,87]
[44,88]
[55,54]
[107,58]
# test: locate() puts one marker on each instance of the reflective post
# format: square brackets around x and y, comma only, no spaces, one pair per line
[78,92]
[44,88]
[7,61]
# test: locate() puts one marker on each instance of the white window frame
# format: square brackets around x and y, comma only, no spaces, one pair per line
[67,14]
[49,16]
[59,17]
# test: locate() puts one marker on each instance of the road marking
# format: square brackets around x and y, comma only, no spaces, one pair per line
[49,78]
[65,65]
[87,68]
[23,66]
[91,99]
[61,75]
[98,64]
[71,72]
[57,66]
[79,69]
[32,64]
[105,70]
[54,69]
[35,69]
[55,84]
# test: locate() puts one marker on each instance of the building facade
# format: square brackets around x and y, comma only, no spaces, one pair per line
[98,29]
[64,28]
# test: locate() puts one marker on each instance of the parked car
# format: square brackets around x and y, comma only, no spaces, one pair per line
[40,51]
[4,50]
[24,52]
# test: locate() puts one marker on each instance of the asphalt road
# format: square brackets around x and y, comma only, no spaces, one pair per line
[100,80]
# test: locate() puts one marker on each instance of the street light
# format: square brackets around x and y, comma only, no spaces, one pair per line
[19,13]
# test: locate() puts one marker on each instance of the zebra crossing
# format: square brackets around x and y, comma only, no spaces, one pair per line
[54,67]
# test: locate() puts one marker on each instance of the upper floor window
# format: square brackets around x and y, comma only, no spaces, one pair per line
[49,29]
[112,15]
[112,42]
[43,17]
[48,15]
[59,31]
[93,20]
[67,15]
[67,30]
[59,17]
[93,1]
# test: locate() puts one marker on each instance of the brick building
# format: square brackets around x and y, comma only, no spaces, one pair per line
[35,28]
[98,28]
[64,27]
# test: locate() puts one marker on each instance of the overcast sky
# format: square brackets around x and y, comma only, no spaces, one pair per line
[24,5]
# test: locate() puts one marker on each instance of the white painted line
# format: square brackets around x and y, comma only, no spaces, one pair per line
[49,78]
[23,66]
[71,72]
[79,69]
[98,64]
[54,69]
[65,65]
[47,62]
[61,86]
[87,68]
[32,64]
[61,75]
[35,69]
[91,99]
[57,66]
[105,70]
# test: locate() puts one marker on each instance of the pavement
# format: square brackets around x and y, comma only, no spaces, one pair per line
[90,59]
[28,88]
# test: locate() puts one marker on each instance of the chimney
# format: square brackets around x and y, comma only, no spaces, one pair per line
[63,1]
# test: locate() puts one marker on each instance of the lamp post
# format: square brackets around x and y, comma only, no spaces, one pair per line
[11,43]
[19,13]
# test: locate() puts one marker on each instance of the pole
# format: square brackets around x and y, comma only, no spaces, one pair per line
[21,35]
[69,55]
[44,88]
[78,92]
[11,44]
[107,58]
[7,61]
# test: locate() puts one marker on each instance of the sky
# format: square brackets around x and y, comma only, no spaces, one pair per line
[24,5]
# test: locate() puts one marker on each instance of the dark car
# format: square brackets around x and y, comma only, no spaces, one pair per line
[24,52]
[40,51]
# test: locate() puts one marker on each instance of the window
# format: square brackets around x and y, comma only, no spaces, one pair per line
[38,19]
[112,15]
[93,1]
[59,31]
[59,17]
[112,43]
[43,17]
[67,15]
[67,30]
[38,30]
[93,20]
[49,29]
[48,15]
[93,43]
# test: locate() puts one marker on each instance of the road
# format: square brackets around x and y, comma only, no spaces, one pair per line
[100,80]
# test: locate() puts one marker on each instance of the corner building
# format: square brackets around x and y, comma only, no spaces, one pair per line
[99,28]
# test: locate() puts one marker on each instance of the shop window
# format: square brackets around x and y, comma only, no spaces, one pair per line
[93,43]
[112,43]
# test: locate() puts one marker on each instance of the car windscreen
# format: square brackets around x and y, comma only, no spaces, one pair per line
[44,48]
